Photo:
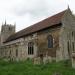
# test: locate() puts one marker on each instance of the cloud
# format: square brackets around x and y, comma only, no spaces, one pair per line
[30,6]
[28,12]
[38,8]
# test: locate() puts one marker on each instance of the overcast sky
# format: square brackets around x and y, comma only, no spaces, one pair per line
[27,12]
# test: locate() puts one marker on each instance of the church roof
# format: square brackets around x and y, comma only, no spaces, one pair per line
[50,21]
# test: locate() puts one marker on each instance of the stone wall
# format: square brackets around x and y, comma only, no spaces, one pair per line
[40,45]
[43,42]
[8,50]
[67,36]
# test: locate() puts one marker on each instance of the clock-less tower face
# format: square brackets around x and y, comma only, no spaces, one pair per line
[6,31]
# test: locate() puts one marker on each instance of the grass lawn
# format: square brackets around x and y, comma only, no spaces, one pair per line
[28,68]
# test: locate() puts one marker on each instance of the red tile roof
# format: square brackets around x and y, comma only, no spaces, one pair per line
[53,20]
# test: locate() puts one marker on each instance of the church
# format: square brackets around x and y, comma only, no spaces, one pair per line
[52,38]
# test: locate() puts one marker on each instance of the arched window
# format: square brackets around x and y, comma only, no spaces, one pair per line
[68,47]
[30,48]
[73,45]
[16,52]
[10,52]
[50,41]
[72,33]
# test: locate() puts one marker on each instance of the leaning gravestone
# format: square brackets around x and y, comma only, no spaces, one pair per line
[56,73]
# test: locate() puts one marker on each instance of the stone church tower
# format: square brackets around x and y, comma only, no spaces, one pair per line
[6,31]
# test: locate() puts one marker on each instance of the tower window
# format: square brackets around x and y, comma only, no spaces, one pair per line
[30,48]
[50,41]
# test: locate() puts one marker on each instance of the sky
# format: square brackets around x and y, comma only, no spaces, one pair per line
[24,13]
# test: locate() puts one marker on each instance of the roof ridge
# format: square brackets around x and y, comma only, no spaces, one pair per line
[48,22]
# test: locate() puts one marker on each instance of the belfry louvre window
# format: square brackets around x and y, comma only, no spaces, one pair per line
[50,41]
[30,48]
